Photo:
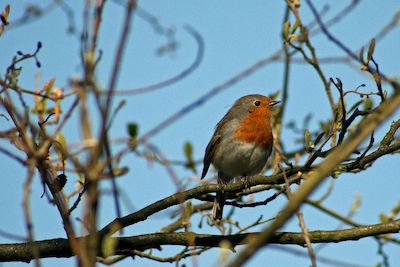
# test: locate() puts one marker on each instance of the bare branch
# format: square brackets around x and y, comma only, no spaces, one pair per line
[60,247]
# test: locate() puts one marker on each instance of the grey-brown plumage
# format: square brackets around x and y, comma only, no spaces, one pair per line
[241,143]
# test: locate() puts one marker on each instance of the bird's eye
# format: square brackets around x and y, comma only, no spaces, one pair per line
[257,103]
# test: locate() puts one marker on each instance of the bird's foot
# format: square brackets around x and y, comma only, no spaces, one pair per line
[221,185]
[246,181]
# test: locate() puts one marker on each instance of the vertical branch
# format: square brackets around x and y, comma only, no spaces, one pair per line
[27,212]
[286,75]
[88,50]
[302,223]
[118,59]
[110,92]
[98,12]
[92,243]
[313,61]
[285,88]
[84,35]
[81,87]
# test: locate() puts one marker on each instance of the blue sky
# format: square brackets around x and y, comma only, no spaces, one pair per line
[236,35]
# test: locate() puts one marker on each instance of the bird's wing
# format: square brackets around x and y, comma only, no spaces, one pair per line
[210,150]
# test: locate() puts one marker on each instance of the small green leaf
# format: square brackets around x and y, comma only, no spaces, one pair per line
[368,103]
[371,49]
[383,218]
[188,150]
[307,139]
[361,55]
[133,129]
[353,107]
[285,31]
[296,38]
[356,203]
[61,148]
[339,113]
[120,171]
[275,95]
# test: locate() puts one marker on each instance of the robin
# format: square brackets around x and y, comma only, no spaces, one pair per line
[241,144]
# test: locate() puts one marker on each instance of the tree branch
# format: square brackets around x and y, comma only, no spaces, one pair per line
[60,247]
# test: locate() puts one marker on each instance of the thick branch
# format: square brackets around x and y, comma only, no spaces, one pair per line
[180,197]
[60,248]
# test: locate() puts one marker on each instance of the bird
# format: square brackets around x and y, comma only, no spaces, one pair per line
[241,144]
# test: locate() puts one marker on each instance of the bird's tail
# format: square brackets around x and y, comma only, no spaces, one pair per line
[218,207]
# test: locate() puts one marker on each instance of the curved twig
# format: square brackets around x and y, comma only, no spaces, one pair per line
[199,57]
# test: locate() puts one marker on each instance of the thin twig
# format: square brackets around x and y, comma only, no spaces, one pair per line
[302,223]
[322,259]
[76,203]
[186,72]
[131,5]
[338,43]
[13,156]
[313,61]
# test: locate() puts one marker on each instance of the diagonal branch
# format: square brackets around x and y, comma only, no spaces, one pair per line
[181,197]
[339,154]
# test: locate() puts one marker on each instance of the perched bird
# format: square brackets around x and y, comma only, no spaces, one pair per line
[241,144]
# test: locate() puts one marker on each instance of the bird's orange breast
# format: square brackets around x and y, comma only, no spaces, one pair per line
[255,128]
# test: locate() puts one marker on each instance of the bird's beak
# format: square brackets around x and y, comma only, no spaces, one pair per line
[273,103]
